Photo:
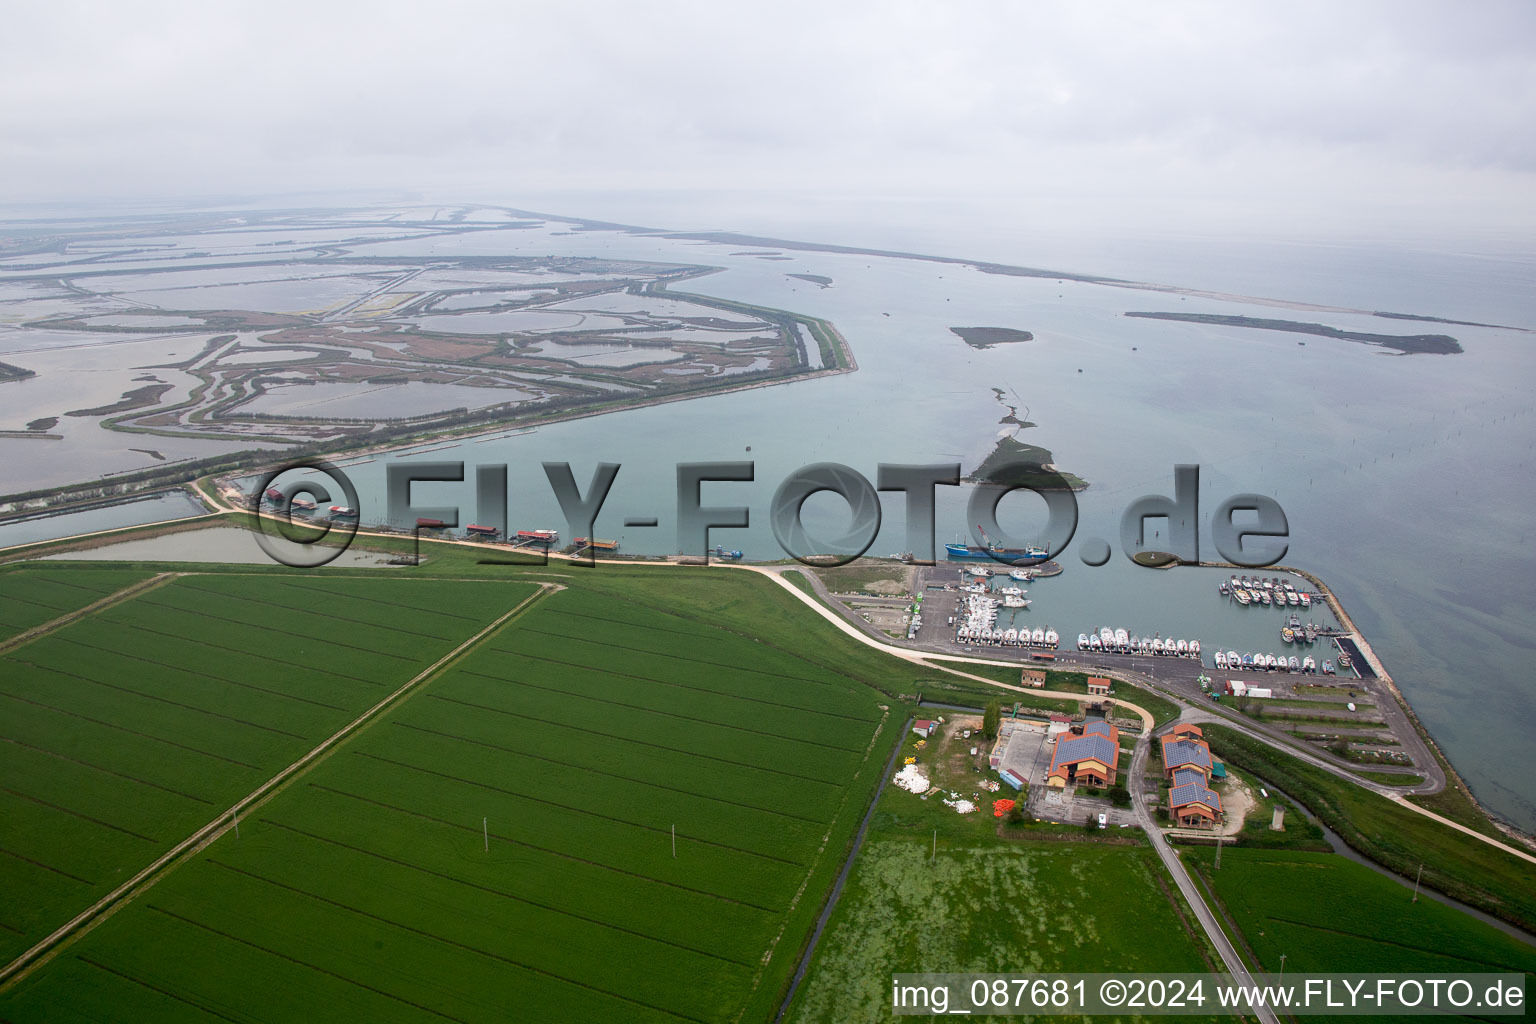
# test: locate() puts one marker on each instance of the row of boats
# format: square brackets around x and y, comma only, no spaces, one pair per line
[1008,597]
[981,572]
[1274,592]
[1231,661]
[1119,641]
[978,620]
[1293,632]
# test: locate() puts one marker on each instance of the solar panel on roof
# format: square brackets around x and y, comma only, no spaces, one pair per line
[1079,748]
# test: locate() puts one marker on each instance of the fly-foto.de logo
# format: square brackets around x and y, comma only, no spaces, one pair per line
[310,520]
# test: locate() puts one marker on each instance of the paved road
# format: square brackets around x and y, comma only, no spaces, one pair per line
[1175,866]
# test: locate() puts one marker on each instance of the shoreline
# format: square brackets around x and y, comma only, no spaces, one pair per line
[1443,761]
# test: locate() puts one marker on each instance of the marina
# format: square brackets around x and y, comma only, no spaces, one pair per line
[1102,611]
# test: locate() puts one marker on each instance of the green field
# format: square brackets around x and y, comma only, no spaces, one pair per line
[126,731]
[1289,902]
[986,903]
[34,595]
[497,844]
[1391,835]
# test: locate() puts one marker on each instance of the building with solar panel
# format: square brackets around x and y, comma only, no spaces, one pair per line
[1086,755]
[1188,766]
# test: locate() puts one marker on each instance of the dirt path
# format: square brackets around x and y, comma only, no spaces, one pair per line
[116,597]
[1404,801]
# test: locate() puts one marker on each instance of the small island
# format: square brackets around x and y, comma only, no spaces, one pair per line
[9,372]
[986,337]
[1013,463]
[1404,344]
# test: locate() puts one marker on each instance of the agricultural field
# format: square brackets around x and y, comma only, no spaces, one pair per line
[1392,835]
[500,844]
[1288,902]
[128,730]
[31,596]
[938,890]
[1026,906]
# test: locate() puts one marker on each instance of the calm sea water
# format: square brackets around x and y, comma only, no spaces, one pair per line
[171,505]
[1407,480]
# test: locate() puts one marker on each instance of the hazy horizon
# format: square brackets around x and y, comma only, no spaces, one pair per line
[1392,119]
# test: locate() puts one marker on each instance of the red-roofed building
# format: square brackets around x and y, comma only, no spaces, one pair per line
[1188,764]
[1089,755]
[1098,686]
[925,727]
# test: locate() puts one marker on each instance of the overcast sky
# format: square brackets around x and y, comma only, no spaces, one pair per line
[1303,113]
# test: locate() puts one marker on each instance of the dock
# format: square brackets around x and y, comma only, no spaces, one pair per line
[1357,659]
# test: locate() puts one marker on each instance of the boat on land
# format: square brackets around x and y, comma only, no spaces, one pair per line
[1292,664]
[1309,664]
[1327,668]
[1082,641]
[1052,638]
[730,556]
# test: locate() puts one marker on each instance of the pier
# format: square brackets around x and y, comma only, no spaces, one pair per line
[1357,659]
